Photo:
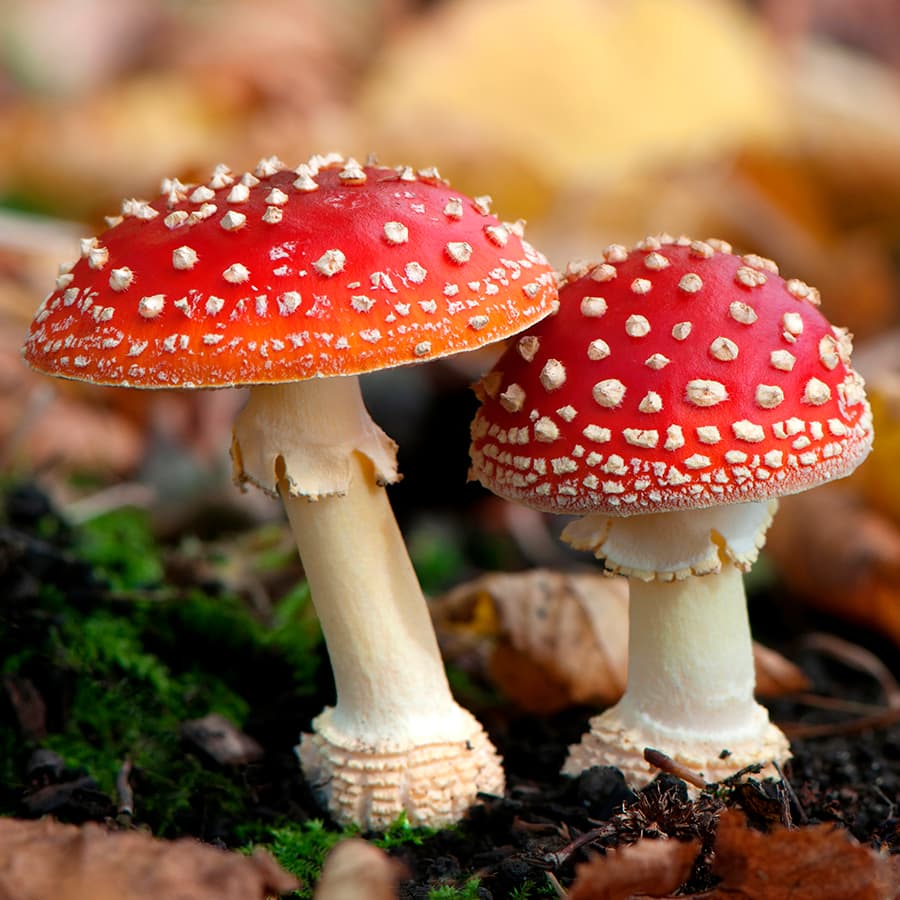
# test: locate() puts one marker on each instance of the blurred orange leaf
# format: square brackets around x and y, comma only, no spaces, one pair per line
[630,85]
[840,557]
[649,868]
[817,862]
[46,859]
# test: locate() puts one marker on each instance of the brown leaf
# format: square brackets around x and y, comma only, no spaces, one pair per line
[818,862]
[44,421]
[840,556]
[649,868]
[222,740]
[879,478]
[776,675]
[356,869]
[46,859]
[549,640]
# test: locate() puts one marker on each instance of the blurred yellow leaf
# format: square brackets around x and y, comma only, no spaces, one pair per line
[880,477]
[543,93]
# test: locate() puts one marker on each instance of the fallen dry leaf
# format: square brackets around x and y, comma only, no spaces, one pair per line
[46,859]
[222,740]
[356,869]
[818,862]
[879,478]
[649,868]
[549,640]
[840,557]
[838,547]
[776,675]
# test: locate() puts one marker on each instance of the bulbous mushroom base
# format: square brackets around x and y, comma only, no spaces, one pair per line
[434,784]
[613,742]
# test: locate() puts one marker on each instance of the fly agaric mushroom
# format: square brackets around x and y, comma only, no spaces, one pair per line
[283,280]
[677,392]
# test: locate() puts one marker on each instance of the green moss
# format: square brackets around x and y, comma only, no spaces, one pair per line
[302,848]
[133,657]
[120,546]
[124,659]
[400,832]
[532,889]
[469,891]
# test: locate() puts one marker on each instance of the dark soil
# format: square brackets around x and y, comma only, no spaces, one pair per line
[848,774]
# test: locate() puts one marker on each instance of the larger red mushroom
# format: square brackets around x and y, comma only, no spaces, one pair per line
[295,282]
[676,393]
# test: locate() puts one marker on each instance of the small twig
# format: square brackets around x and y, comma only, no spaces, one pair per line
[793,800]
[118,495]
[666,764]
[520,824]
[559,858]
[124,792]
[891,805]
[561,892]
[838,704]
[854,726]
[858,658]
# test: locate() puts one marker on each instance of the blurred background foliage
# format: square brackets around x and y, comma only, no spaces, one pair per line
[774,124]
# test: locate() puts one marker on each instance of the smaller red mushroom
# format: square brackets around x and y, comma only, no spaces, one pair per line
[677,392]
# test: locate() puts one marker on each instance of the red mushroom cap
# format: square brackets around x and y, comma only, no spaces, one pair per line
[280,275]
[674,376]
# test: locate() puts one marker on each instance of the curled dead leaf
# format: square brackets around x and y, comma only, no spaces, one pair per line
[649,868]
[546,639]
[838,547]
[840,556]
[818,862]
[46,859]
[549,640]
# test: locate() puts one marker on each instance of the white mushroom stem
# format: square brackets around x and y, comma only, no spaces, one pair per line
[396,741]
[690,685]
[392,691]
[690,666]
[690,660]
